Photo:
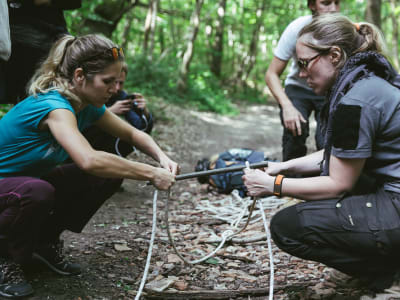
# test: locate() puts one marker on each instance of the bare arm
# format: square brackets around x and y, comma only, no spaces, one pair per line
[292,118]
[141,140]
[343,174]
[306,165]
[62,124]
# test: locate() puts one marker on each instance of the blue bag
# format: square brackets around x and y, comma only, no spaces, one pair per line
[227,182]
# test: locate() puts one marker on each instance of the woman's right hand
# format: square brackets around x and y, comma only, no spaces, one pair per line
[163,179]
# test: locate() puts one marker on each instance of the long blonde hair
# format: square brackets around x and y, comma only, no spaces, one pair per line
[91,52]
[328,30]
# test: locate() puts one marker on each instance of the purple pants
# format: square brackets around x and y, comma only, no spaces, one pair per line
[35,211]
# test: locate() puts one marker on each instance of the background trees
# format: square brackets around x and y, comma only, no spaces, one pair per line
[209,52]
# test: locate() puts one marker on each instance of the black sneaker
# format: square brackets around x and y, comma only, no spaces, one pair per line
[53,257]
[12,280]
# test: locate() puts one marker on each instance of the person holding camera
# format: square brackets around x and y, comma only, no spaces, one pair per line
[41,195]
[131,107]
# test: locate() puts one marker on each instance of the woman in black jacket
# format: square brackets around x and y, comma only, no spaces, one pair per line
[346,222]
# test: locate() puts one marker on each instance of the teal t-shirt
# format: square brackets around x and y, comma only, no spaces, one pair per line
[27,151]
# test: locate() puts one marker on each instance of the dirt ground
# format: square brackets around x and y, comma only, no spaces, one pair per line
[113,246]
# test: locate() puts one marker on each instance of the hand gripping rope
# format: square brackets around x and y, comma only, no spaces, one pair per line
[226,235]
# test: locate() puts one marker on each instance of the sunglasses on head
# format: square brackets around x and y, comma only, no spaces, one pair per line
[117,53]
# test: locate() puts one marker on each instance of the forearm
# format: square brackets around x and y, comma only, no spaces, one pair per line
[275,86]
[147,145]
[312,188]
[306,165]
[104,164]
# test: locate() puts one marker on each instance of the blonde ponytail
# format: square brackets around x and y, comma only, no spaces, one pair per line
[48,78]
[91,52]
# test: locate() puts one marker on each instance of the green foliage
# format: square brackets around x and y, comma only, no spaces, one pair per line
[4,108]
[160,79]
[159,75]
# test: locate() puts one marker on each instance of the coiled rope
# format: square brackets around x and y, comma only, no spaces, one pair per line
[226,235]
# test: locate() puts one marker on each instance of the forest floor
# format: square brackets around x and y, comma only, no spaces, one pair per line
[113,246]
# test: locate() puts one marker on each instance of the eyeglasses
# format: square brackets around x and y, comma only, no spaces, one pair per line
[303,63]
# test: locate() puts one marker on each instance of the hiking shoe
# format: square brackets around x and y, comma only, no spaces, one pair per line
[52,255]
[12,280]
[392,293]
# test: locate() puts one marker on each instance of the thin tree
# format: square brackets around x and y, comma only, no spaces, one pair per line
[127,28]
[373,12]
[149,29]
[249,57]
[187,56]
[395,32]
[218,45]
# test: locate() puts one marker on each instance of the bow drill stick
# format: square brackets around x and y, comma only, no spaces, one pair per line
[258,165]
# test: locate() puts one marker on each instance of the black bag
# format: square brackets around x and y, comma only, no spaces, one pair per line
[227,182]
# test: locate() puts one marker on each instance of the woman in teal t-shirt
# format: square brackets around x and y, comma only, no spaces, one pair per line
[40,196]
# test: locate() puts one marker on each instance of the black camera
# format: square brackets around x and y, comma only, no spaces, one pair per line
[132,96]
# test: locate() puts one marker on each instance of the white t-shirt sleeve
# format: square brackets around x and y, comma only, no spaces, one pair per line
[286,48]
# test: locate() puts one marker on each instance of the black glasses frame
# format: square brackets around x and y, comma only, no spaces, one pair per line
[303,63]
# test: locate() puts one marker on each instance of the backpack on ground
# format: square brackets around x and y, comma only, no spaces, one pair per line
[227,182]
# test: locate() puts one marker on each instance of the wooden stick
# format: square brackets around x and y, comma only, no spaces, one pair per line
[222,294]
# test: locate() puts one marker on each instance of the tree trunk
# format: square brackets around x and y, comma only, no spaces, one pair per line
[218,46]
[373,12]
[112,12]
[395,33]
[249,58]
[187,57]
[149,29]
[172,28]
[127,28]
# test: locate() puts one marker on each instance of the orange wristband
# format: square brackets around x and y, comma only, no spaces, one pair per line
[278,185]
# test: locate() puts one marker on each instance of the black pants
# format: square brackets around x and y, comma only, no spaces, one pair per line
[35,211]
[358,235]
[101,140]
[305,102]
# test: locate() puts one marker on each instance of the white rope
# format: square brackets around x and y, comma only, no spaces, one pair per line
[227,234]
[271,257]
[116,147]
[153,233]
[272,202]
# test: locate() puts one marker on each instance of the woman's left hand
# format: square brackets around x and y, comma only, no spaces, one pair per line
[170,165]
[258,183]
